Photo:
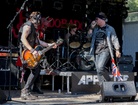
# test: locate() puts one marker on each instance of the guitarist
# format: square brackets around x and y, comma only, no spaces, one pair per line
[28,40]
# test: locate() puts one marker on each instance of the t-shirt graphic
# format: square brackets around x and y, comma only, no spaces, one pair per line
[100,42]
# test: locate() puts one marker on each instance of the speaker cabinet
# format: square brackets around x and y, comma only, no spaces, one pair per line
[125,59]
[126,67]
[8,76]
[118,91]
[3,97]
[136,56]
[136,63]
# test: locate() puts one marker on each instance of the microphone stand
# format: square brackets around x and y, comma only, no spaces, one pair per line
[68,63]
[10,46]
[57,59]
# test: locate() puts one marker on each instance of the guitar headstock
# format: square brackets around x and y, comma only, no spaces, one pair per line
[59,41]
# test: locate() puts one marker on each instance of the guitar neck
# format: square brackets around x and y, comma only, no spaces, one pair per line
[47,49]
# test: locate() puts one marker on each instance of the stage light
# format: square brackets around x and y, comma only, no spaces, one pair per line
[11,2]
[58,5]
[88,2]
[76,7]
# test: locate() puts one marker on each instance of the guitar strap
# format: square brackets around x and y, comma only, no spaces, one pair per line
[37,39]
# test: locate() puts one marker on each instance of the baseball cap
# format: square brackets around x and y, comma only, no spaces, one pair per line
[102,16]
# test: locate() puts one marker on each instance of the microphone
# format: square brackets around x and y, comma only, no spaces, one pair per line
[92,25]
[48,21]
[78,32]
[46,17]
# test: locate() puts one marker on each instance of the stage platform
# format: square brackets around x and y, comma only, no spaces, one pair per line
[82,81]
[55,98]
[76,88]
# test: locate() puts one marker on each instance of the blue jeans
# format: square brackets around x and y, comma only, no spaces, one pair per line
[101,61]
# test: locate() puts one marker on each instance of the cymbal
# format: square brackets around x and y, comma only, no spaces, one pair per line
[86,45]
[74,44]
[68,25]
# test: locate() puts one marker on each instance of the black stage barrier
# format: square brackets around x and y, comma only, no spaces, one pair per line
[87,82]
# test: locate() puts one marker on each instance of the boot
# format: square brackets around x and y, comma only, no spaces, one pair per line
[37,88]
[26,95]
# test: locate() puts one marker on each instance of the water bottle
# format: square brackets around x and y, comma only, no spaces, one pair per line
[59,90]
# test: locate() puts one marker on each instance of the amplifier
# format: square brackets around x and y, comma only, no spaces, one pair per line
[125,59]
[5,51]
[7,67]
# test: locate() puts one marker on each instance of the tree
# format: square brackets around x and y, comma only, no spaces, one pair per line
[133,5]
[133,11]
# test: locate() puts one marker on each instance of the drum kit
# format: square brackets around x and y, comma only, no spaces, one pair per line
[75,53]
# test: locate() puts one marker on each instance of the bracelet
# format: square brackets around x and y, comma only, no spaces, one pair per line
[117,49]
[32,50]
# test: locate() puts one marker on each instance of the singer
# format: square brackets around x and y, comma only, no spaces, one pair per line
[100,46]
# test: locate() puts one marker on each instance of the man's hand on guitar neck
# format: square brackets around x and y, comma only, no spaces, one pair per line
[55,45]
[52,44]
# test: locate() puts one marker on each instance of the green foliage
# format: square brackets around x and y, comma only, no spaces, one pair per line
[133,11]
[133,5]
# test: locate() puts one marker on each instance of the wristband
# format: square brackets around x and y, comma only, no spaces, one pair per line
[32,50]
[117,49]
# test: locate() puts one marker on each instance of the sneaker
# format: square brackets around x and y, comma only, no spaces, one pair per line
[28,96]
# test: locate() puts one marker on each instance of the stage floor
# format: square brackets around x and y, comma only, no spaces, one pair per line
[55,98]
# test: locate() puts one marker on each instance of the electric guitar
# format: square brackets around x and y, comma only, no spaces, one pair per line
[31,61]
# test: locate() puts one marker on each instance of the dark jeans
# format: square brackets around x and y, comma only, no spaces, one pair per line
[101,61]
[31,77]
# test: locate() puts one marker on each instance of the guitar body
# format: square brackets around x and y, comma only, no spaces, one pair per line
[29,58]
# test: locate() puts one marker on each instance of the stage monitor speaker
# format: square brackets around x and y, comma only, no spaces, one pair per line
[3,97]
[118,91]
